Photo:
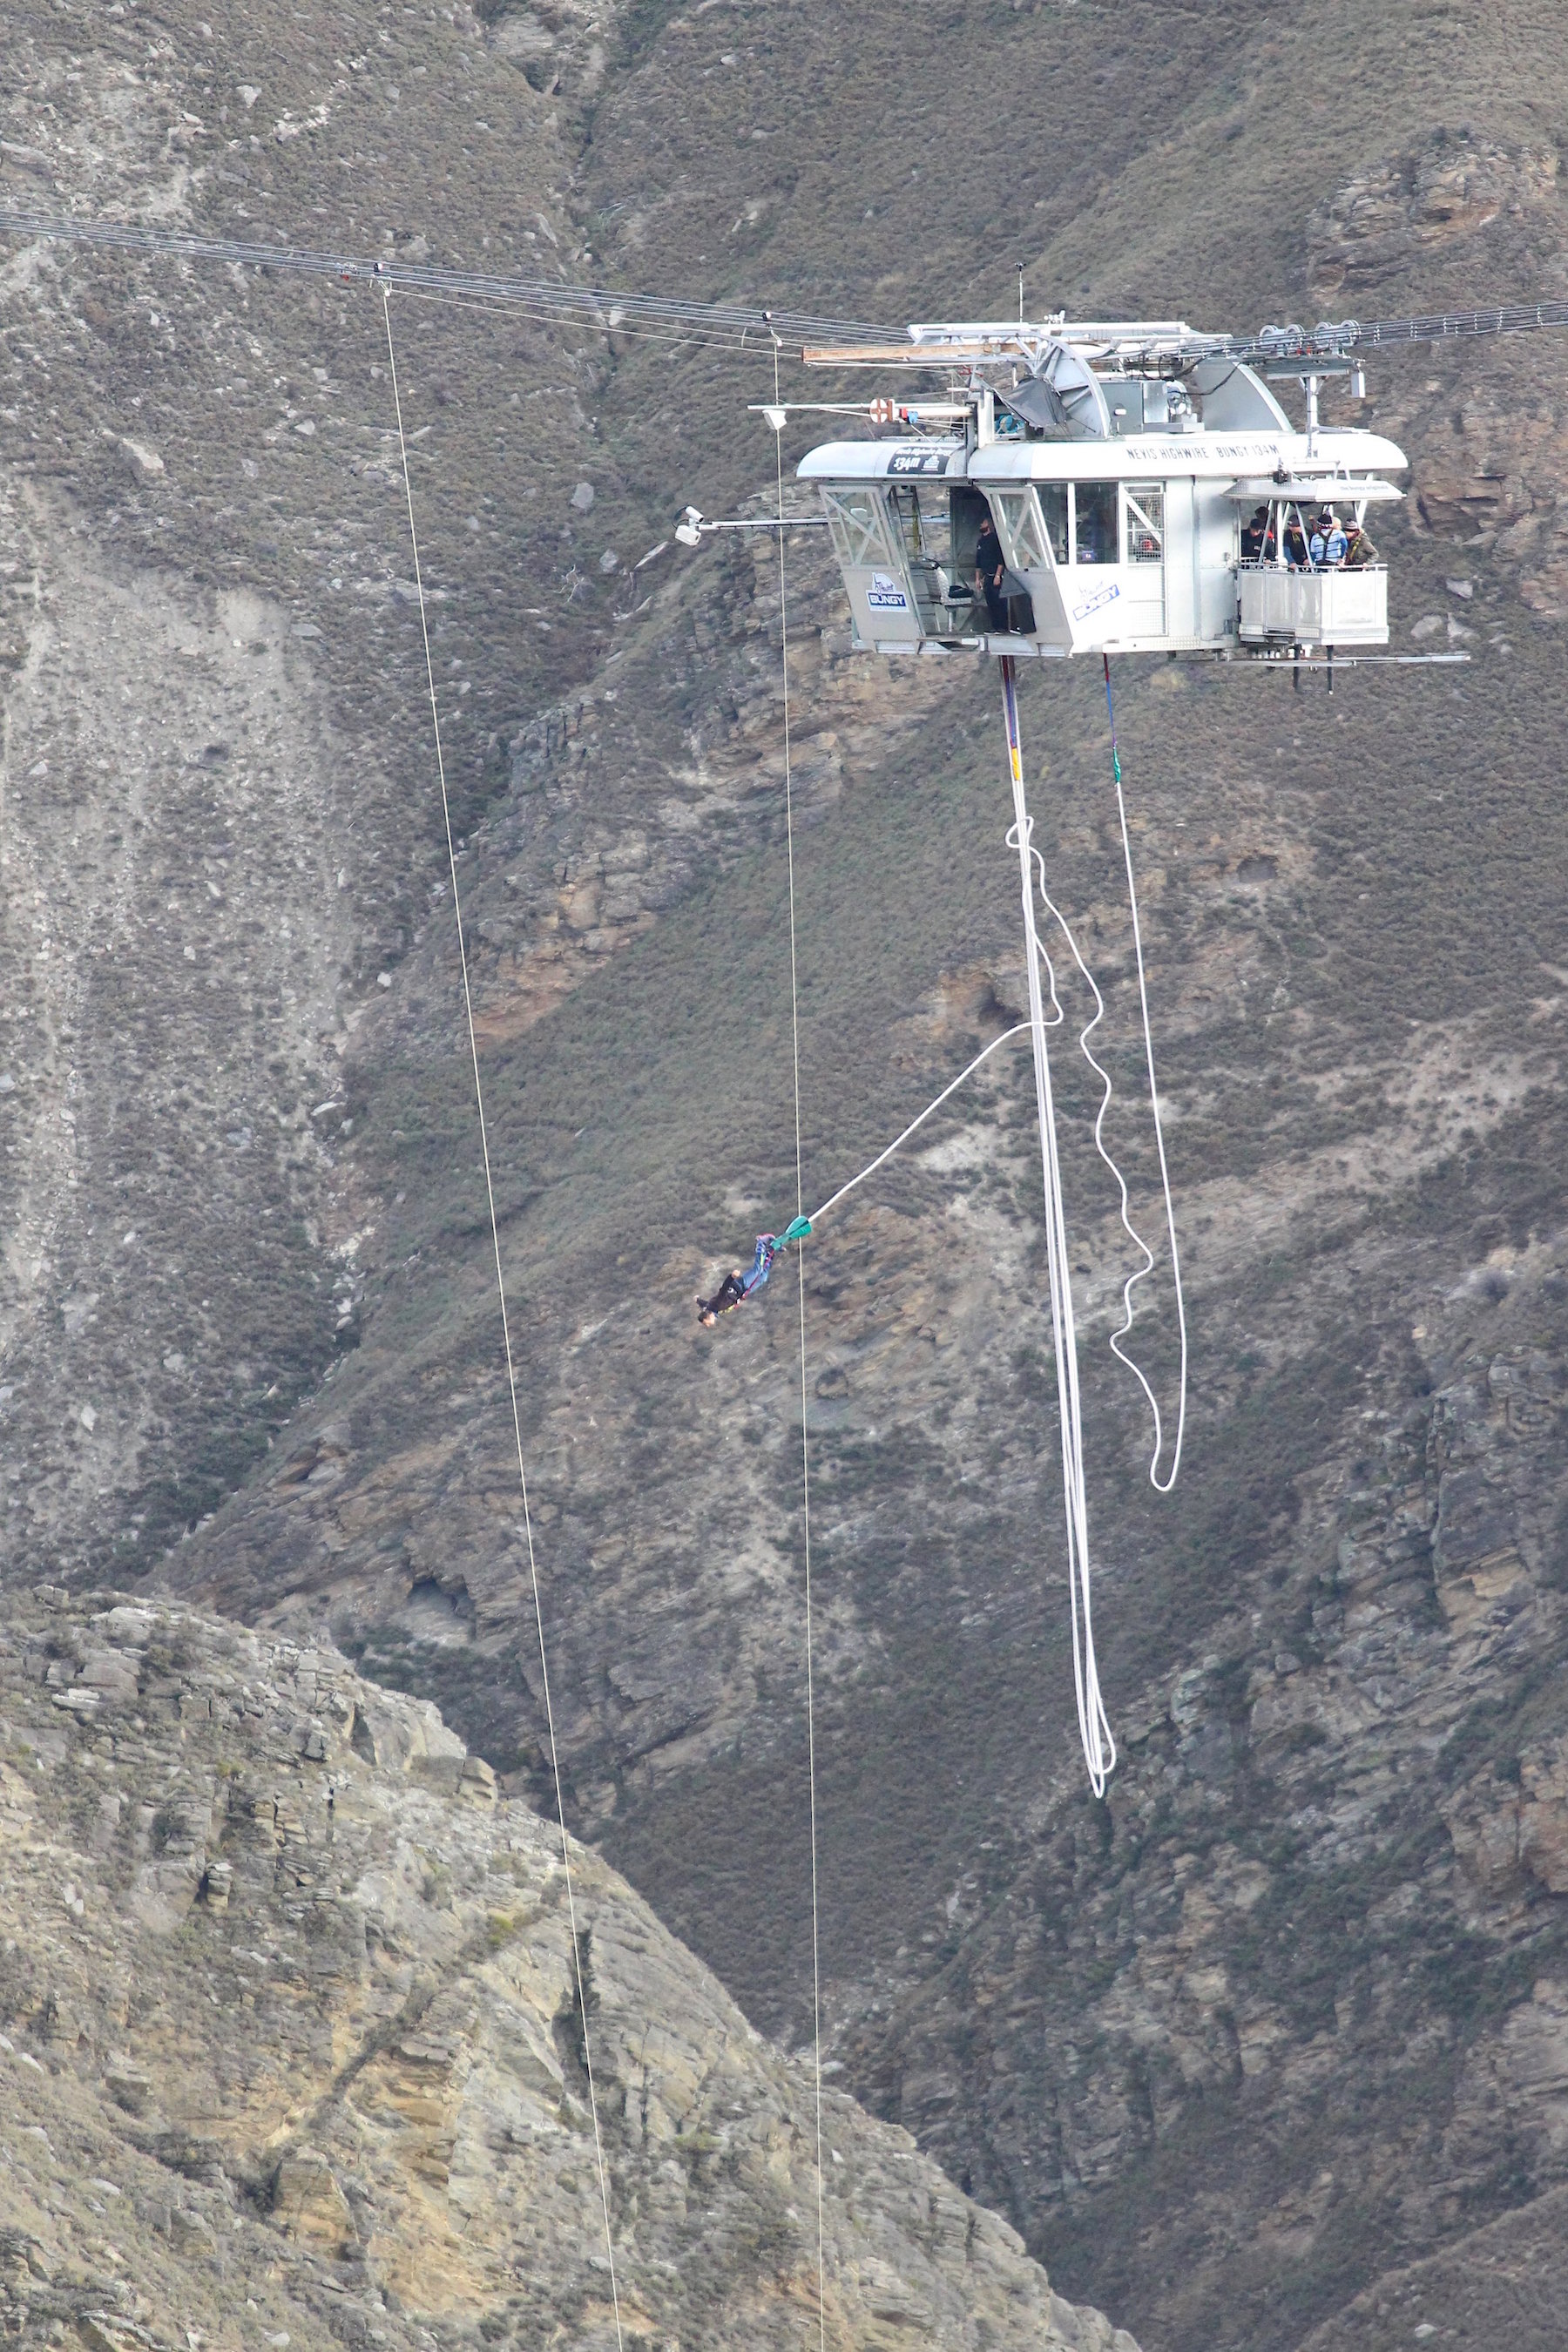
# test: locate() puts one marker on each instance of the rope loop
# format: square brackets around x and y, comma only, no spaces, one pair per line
[1161,1486]
[1093,1723]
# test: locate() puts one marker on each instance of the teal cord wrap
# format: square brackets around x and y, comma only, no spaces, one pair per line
[1111,714]
[796,1230]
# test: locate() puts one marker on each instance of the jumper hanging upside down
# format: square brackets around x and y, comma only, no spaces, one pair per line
[738,1286]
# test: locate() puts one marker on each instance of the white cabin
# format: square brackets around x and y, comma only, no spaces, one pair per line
[1119,510]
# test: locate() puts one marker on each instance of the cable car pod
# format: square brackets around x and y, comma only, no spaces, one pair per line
[1117,498]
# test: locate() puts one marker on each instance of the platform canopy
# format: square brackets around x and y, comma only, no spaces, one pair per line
[1314,489]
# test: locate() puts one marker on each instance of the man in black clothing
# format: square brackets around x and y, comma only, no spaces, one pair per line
[1253,534]
[736,1286]
[990,565]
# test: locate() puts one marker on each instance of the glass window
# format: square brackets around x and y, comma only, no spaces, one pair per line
[922,523]
[1053,497]
[1023,534]
[1094,531]
[859,534]
[1146,522]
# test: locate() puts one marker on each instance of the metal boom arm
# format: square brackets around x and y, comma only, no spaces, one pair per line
[1172,347]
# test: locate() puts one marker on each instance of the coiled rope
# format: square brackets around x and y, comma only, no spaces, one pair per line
[506,1336]
[1161,1486]
[1093,1723]
[1094,1729]
[1140,1272]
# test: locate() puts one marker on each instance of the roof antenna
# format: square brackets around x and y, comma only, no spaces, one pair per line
[1020,293]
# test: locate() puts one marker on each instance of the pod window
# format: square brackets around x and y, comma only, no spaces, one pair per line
[1094,531]
[1146,522]
[859,529]
[1023,532]
[1053,498]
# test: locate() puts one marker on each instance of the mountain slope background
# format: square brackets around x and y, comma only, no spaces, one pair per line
[1285,2017]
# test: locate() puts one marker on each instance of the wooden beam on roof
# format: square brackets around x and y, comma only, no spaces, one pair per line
[935,356]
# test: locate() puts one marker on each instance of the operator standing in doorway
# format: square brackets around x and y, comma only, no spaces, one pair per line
[990,565]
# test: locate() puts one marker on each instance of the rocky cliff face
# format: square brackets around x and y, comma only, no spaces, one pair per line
[1327,1885]
[292,2048]
[1285,2011]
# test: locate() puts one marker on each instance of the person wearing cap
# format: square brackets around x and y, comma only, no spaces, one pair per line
[1254,533]
[1360,551]
[1328,544]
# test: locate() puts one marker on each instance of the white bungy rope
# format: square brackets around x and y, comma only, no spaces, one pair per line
[1094,1725]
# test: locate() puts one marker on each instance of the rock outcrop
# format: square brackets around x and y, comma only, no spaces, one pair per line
[293,2049]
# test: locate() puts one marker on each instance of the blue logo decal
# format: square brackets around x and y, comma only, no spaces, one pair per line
[884,595]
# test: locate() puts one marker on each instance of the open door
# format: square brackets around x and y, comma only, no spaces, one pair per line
[1027,539]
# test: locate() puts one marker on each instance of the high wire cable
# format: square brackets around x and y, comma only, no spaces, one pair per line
[593,306]
[694,338]
[1147,348]
[805,1428]
[506,1336]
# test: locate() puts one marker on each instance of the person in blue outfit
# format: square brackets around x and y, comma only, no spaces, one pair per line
[1329,544]
[738,1286]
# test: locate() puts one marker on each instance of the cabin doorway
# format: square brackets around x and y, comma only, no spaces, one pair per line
[967,511]
[1143,557]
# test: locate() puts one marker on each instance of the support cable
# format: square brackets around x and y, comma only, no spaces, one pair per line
[805,1430]
[506,1336]
[602,309]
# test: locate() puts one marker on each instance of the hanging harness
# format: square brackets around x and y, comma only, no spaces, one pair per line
[762,1264]
[768,1248]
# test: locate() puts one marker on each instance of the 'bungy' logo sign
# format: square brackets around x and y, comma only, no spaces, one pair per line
[884,595]
[1092,604]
